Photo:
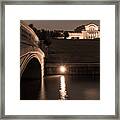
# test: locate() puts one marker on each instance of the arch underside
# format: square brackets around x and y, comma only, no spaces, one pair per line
[27,58]
[30,82]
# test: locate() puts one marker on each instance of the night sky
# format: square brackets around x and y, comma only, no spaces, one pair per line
[60,24]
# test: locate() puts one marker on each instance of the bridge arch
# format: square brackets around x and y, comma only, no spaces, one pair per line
[31,65]
[30,82]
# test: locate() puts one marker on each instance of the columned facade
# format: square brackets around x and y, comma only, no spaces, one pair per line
[91,31]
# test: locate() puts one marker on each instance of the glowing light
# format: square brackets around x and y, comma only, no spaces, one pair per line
[63,92]
[62,78]
[62,69]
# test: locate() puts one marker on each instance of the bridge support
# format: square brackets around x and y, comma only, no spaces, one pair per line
[30,83]
[31,65]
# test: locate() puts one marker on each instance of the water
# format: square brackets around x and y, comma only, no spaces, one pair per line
[72,87]
[61,87]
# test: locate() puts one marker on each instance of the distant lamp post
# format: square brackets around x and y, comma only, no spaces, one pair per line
[62,69]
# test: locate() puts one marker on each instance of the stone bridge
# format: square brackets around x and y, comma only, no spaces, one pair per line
[31,65]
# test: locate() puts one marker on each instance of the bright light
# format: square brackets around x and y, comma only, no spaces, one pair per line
[63,92]
[62,69]
[62,78]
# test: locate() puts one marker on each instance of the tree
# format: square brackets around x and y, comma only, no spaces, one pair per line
[33,28]
[80,28]
[45,36]
[42,35]
[66,34]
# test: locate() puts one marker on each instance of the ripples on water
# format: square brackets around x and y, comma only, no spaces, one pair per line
[62,87]
[75,87]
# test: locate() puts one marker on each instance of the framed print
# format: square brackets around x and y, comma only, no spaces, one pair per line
[60,60]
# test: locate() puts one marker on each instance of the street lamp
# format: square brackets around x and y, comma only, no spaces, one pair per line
[62,69]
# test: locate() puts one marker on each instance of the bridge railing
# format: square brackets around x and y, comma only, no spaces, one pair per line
[27,35]
[29,45]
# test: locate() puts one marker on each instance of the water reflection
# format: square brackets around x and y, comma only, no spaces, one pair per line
[42,94]
[72,87]
[63,92]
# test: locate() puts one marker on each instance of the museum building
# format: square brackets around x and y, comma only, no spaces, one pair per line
[91,31]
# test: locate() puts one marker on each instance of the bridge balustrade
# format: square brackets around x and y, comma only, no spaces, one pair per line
[31,65]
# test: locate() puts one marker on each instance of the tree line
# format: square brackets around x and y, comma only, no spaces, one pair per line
[47,35]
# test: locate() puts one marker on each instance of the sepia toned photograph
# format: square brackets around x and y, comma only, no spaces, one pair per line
[57,56]
[60,60]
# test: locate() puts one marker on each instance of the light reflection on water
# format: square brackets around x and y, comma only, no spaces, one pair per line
[63,92]
[42,94]
[72,87]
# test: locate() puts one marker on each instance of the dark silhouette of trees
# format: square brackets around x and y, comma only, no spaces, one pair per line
[43,35]
[79,28]
[47,35]
[33,28]
[56,34]
[66,34]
